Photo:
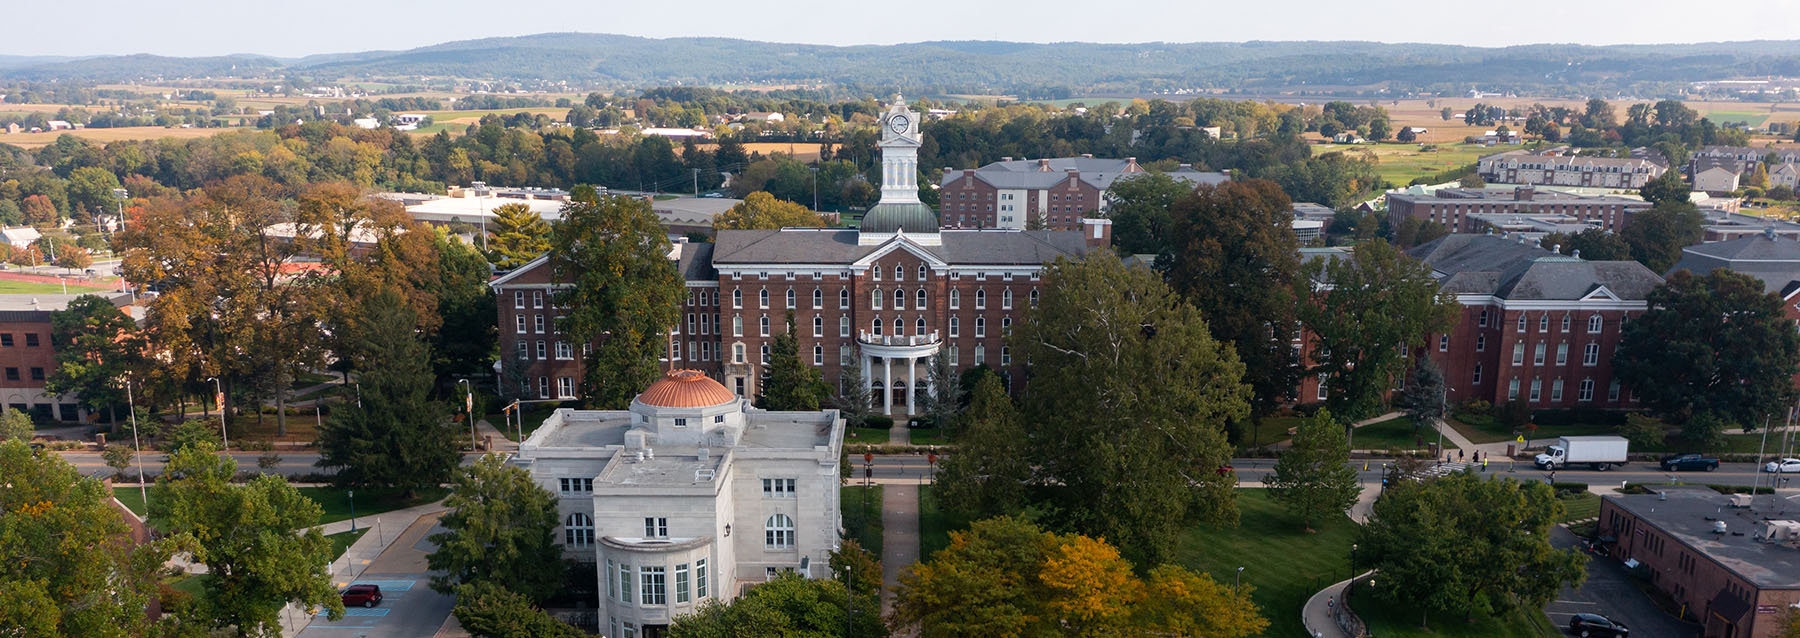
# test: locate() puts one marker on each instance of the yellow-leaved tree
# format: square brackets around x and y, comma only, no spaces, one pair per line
[760,210]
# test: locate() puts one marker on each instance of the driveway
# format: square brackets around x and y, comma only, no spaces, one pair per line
[409,608]
[1609,591]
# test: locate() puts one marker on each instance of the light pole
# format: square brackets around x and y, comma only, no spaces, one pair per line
[469,405]
[137,450]
[359,395]
[1351,590]
[119,195]
[352,495]
[815,181]
[1237,580]
[480,189]
[219,398]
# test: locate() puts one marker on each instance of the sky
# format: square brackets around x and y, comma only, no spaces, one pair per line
[218,27]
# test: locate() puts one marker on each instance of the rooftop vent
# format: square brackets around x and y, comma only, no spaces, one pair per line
[1718,527]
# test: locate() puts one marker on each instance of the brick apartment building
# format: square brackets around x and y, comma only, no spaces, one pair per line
[1737,581]
[885,298]
[1527,167]
[1534,326]
[1007,193]
[27,356]
[1453,207]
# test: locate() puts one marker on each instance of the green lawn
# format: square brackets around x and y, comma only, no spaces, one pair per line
[928,436]
[1393,434]
[1271,430]
[327,391]
[342,541]
[862,515]
[1285,564]
[935,524]
[1402,163]
[1389,621]
[190,584]
[869,436]
[1580,506]
[1493,431]
[309,379]
[32,287]
[1739,443]
[334,502]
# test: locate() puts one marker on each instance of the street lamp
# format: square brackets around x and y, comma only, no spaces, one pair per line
[352,495]
[219,398]
[469,405]
[481,211]
[1351,590]
[137,450]
[1237,580]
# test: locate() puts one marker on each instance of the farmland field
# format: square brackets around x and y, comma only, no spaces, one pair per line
[103,135]
[1401,163]
[803,151]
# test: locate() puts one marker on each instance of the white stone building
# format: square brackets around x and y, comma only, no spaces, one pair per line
[690,494]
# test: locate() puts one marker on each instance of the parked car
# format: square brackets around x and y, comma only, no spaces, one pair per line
[364,595]
[1689,462]
[1783,466]
[1596,626]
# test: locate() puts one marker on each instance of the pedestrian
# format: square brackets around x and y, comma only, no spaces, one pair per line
[1331,604]
[1459,454]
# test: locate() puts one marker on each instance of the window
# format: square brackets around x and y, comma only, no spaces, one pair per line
[778,488]
[565,387]
[843,299]
[899,273]
[518,304]
[1481,343]
[899,299]
[920,303]
[1537,389]
[1565,323]
[518,327]
[575,485]
[981,299]
[612,593]
[656,527]
[700,578]
[541,350]
[537,324]
[1006,325]
[630,631]
[737,298]
[1521,322]
[1034,294]
[1484,317]
[1476,378]
[762,298]
[1005,355]
[1594,324]
[1519,354]
[1586,390]
[762,325]
[875,326]
[1443,343]
[818,355]
[625,578]
[578,530]
[1537,355]
[737,354]
[818,298]
[1590,354]
[1324,392]
[12,374]
[763,356]
[981,326]
[1562,354]
[844,356]
[1556,390]
[1006,299]
[955,299]
[543,387]
[921,272]
[955,355]
[1544,322]
[681,583]
[564,351]
[818,326]
[955,326]
[737,326]
[652,578]
[876,273]
[919,326]
[980,355]
[524,350]
[875,298]
[1612,390]
[844,326]
[778,532]
[1512,389]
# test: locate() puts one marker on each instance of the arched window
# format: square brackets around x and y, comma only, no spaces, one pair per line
[762,298]
[737,326]
[764,354]
[919,327]
[778,532]
[818,326]
[790,298]
[899,273]
[955,298]
[764,323]
[1544,322]
[875,298]
[1006,298]
[737,298]
[1565,323]
[876,327]
[899,299]
[578,530]
[844,325]
[921,299]
[955,326]
[1594,324]
[818,299]
[981,299]
[981,326]
[921,272]
[1034,297]
[1005,355]
[1005,325]
[980,354]
[843,299]
[818,355]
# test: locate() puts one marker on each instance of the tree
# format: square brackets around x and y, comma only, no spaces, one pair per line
[519,236]
[1005,577]
[1424,393]
[1139,207]
[1656,236]
[852,400]
[1436,543]
[74,258]
[501,529]
[257,540]
[1233,255]
[1710,345]
[118,457]
[789,605]
[1380,129]
[944,402]
[91,188]
[792,384]
[762,211]
[464,345]
[1406,135]
[1788,626]
[624,293]
[1129,398]
[1313,477]
[39,211]
[395,436]
[1361,311]
[487,610]
[68,566]
[97,345]
[987,476]
[858,567]
[15,425]
[1592,244]
[1446,113]
[1665,188]
[1643,431]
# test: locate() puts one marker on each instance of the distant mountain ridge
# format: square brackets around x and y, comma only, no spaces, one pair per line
[1075,68]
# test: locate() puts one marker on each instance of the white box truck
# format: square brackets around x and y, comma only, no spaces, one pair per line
[1601,452]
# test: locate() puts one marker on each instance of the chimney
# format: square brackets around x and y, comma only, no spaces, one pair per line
[969,173]
[1556,248]
[1044,165]
[1096,233]
[1130,164]
[1006,158]
[1088,155]
[1524,193]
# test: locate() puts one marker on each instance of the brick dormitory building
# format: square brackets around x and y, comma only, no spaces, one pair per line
[27,356]
[885,297]
[1459,209]
[1061,191]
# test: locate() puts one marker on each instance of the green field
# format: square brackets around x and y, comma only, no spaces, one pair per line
[334,502]
[862,515]
[1721,118]
[36,288]
[1394,622]
[1580,506]
[868,436]
[928,436]
[341,541]
[1402,163]
[1285,564]
[1492,431]
[935,524]
[1393,434]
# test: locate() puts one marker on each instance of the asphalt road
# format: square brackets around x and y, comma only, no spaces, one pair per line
[409,608]
[1610,592]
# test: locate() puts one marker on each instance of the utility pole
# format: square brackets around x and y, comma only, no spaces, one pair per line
[696,181]
[137,449]
[219,398]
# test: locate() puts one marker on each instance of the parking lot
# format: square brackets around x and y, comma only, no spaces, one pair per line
[409,608]
[1609,591]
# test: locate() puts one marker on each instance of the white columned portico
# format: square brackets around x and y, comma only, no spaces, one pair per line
[868,375]
[887,386]
[912,384]
[910,349]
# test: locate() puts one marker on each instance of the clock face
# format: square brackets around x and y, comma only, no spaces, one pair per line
[898,123]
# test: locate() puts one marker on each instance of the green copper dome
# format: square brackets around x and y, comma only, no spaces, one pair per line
[912,217]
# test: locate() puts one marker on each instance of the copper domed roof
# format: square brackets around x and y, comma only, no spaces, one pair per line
[686,389]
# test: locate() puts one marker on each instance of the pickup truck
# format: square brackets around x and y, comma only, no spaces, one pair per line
[1688,462]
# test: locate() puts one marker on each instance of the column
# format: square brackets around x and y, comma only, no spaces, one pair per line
[868,376]
[887,386]
[912,384]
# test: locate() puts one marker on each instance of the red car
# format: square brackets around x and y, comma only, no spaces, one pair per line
[365,595]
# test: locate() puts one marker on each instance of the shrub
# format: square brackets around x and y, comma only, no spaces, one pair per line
[880,421]
[1515,414]
[1643,430]
[1573,416]
[175,436]
[1477,407]
[1565,489]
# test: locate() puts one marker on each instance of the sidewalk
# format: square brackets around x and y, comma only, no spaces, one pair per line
[489,433]
[1286,443]
[1320,612]
[899,536]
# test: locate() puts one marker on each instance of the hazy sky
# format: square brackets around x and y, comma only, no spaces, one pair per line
[216,27]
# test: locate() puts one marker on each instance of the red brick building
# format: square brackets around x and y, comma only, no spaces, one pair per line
[1452,207]
[27,357]
[1007,193]
[1534,326]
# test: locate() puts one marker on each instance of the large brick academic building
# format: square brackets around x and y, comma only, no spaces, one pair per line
[884,298]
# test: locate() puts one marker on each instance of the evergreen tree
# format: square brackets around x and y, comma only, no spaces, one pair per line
[1423,396]
[792,384]
[464,344]
[943,403]
[1313,477]
[395,436]
[852,401]
[986,476]
[519,236]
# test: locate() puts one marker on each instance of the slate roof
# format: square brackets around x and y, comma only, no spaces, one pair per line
[1773,260]
[1508,269]
[696,262]
[991,247]
[1098,172]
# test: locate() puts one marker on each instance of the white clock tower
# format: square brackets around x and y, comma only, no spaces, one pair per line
[899,154]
